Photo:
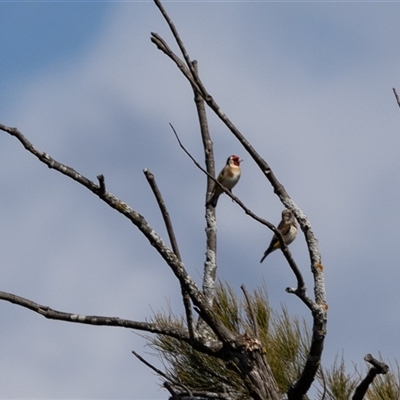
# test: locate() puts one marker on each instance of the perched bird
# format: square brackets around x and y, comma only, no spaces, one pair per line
[228,177]
[288,228]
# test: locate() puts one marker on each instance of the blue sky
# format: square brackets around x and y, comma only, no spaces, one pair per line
[309,84]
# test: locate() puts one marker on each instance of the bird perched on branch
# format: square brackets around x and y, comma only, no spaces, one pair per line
[288,228]
[228,177]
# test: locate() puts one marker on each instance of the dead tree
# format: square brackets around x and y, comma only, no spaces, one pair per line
[203,331]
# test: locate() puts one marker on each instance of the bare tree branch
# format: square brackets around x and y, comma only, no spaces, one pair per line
[164,212]
[162,45]
[174,244]
[151,366]
[210,264]
[377,368]
[51,163]
[380,366]
[49,313]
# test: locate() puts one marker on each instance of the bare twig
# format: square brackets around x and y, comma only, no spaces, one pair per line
[174,244]
[50,162]
[162,45]
[151,366]
[167,378]
[164,212]
[185,54]
[232,196]
[397,97]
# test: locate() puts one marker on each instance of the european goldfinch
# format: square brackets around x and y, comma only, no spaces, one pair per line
[288,228]
[228,177]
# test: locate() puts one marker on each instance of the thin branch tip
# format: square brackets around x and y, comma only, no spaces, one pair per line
[396,96]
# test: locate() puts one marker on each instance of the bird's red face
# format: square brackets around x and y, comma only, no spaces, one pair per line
[235,160]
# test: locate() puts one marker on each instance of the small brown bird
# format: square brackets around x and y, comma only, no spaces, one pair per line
[228,177]
[288,228]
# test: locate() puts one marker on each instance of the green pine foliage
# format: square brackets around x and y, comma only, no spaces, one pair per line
[284,338]
[338,384]
[386,387]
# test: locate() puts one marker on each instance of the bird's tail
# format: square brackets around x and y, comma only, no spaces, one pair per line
[264,256]
[213,200]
